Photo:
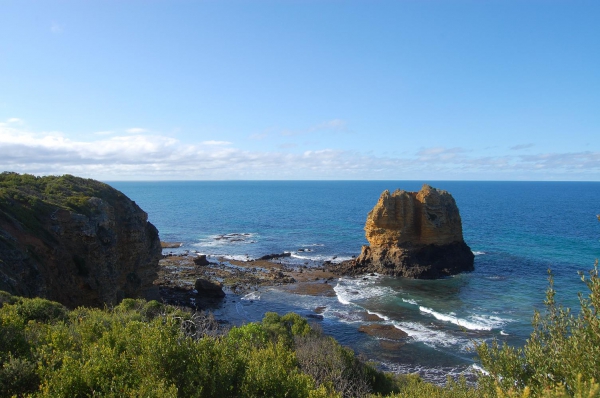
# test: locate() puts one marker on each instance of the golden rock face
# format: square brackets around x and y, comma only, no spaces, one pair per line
[403,219]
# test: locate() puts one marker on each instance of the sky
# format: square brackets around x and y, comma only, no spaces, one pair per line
[317,90]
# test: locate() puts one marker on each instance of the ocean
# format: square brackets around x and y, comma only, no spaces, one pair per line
[517,231]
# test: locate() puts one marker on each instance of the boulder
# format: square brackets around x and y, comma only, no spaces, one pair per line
[415,235]
[201,260]
[206,288]
[76,241]
[275,256]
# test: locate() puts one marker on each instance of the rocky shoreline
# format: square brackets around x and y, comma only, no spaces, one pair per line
[178,275]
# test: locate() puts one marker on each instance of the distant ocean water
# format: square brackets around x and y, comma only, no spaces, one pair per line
[517,230]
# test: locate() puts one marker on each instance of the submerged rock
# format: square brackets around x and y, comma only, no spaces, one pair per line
[275,256]
[389,332]
[76,241]
[415,235]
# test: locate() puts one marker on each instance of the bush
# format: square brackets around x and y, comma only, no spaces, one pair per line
[562,356]
[41,310]
[18,376]
[332,366]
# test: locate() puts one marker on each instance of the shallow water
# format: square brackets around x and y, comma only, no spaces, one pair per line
[517,230]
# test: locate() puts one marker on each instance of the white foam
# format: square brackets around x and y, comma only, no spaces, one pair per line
[427,336]
[410,301]
[251,296]
[315,257]
[478,368]
[503,333]
[346,316]
[319,257]
[352,290]
[477,322]
[229,239]
[494,322]
[384,317]
[477,253]
[235,257]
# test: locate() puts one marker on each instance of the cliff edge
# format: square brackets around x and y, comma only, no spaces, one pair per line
[73,240]
[414,235]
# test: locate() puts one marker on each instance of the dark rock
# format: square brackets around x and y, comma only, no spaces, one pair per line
[76,241]
[206,288]
[274,255]
[201,260]
[320,310]
[389,332]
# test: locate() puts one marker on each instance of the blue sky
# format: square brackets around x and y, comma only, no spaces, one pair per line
[152,90]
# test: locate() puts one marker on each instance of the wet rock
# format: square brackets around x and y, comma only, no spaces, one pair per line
[389,332]
[274,256]
[208,288]
[201,260]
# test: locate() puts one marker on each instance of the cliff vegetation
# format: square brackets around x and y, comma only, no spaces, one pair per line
[73,240]
[147,349]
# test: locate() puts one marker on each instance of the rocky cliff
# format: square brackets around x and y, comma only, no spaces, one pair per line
[414,234]
[74,240]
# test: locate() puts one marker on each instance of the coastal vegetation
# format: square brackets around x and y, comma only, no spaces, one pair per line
[148,349]
[25,196]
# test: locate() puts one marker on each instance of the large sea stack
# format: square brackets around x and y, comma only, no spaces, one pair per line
[414,235]
[73,240]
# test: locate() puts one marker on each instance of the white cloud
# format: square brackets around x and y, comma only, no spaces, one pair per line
[128,156]
[136,130]
[14,120]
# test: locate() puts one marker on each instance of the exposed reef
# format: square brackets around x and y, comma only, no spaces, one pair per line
[76,241]
[414,235]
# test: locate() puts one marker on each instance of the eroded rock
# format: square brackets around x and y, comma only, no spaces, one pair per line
[415,235]
[76,241]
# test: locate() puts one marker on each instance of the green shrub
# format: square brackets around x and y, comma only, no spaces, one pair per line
[285,327]
[18,377]
[7,298]
[41,310]
[562,354]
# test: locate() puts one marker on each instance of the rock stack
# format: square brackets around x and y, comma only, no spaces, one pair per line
[414,235]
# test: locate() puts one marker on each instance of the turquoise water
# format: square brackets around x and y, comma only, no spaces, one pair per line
[517,230]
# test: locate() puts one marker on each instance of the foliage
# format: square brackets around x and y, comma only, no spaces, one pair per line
[147,349]
[29,199]
[412,386]
[561,357]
